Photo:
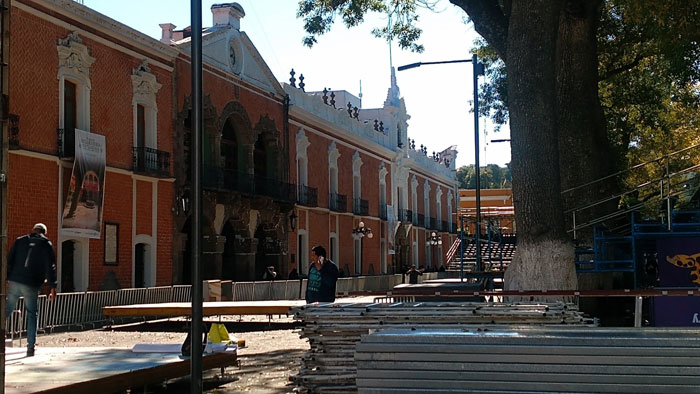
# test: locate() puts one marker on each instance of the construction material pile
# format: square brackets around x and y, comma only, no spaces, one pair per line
[334,330]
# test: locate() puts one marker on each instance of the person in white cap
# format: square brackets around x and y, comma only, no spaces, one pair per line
[30,263]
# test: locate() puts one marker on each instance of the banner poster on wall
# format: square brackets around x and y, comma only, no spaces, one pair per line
[391,219]
[679,267]
[82,213]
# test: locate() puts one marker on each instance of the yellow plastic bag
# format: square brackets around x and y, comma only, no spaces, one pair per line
[219,334]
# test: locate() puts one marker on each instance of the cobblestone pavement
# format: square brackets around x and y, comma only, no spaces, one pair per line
[272,353]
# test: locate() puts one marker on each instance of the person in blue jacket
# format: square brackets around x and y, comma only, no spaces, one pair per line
[323,275]
[31,261]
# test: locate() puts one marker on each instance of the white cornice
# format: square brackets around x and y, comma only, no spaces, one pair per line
[103,23]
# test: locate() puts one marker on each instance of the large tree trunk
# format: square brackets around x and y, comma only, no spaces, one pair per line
[584,150]
[545,257]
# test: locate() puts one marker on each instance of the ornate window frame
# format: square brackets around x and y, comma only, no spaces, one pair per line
[145,87]
[74,62]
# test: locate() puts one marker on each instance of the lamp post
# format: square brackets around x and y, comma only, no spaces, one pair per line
[362,231]
[478,69]
[433,239]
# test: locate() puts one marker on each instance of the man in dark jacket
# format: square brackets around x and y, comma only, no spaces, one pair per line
[31,262]
[322,277]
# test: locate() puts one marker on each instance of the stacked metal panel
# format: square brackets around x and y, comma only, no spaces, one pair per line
[333,330]
[530,360]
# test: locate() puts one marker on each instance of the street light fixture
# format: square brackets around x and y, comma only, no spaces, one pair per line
[434,239]
[362,231]
[478,69]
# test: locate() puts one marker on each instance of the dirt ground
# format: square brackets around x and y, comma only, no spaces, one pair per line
[272,353]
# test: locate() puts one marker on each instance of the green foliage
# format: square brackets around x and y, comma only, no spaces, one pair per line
[490,177]
[319,16]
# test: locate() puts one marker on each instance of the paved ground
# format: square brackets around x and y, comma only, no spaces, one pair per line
[272,353]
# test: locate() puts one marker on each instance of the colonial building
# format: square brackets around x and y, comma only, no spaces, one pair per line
[282,169]
[374,181]
[73,70]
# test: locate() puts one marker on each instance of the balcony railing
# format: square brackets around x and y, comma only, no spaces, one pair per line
[307,196]
[338,202]
[433,225]
[405,215]
[222,179]
[151,161]
[360,207]
[419,220]
[427,223]
[454,228]
[382,212]
[66,142]
[445,226]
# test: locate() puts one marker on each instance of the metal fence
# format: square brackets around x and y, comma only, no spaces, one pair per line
[82,310]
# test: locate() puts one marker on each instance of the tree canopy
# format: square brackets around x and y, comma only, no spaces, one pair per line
[582,83]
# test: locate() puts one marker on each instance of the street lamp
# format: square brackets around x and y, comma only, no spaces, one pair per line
[360,232]
[434,239]
[478,69]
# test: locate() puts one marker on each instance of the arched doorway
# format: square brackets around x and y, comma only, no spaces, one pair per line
[186,273]
[140,265]
[68,266]
[228,258]
[260,256]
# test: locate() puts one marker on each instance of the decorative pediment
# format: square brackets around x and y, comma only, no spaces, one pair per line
[144,83]
[74,57]
[382,173]
[356,163]
[302,143]
[333,155]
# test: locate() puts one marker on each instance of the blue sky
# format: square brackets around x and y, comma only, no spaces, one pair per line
[437,97]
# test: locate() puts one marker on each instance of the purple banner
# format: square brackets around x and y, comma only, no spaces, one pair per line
[676,311]
[679,262]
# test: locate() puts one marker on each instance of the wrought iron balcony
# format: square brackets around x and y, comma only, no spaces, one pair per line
[307,196]
[433,224]
[222,179]
[66,142]
[454,228]
[427,223]
[419,220]
[405,215]
[151,161]
[382,212]
[338,202]
[360,207]
[445,226]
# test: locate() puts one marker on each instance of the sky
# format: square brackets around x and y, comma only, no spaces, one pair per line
[438,97]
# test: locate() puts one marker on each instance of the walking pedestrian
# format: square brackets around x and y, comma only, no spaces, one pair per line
[30,263]
[323,275]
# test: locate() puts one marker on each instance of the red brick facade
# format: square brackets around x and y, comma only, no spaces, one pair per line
[250,160]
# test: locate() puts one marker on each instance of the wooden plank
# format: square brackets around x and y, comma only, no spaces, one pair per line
[173,309]
[97,370]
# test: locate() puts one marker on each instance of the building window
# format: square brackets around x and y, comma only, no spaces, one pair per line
[333,244]
[303,252]
[414,199]
[438,214]
[74,62]
[145,87]
[382,255]
[358,256]
[229,147]
[302,144]
[426,197]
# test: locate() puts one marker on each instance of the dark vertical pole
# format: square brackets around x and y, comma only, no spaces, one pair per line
[4,168]
[196,57]
[476,67]
[461,248]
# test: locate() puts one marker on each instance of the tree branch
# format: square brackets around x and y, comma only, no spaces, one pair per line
[621,69]
[489,21]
